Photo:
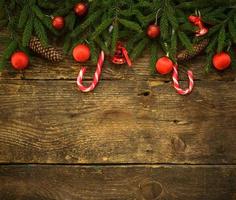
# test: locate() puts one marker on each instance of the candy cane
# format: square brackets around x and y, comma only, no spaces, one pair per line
[96,75]
[175,78]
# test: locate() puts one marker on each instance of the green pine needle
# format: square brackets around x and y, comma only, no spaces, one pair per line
[86,23]
[10,49]
[139,48]
[185,41]
[154,56]
[103,26]
[221,39]
[130,25]
[232,30]
[12,46]
[115,35]
[164,26]
[40,32]
[38,12]
[23,17]
[27,32]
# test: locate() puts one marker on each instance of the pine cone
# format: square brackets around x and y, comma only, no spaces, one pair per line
[49,53]
[186,55]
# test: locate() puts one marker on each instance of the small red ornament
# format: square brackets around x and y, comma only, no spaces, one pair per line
[19,60]
[121,55]
[153,31]
[164,65]
[81,53]
[58,22]
[197,21]
[80,9]
[221,61]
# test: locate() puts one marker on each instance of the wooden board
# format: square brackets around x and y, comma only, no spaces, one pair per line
[121,122]
[133,138]
[117,182]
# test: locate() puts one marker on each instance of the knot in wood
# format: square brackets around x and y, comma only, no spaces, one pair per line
[151,190]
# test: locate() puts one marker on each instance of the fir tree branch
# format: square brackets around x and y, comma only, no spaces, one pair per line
[27,32]
[86,23]
[23,17]
[40,32]
[104,25]
[130,25]
[185,40]
[115,34]
[154,56]
[221,39]
[139,48]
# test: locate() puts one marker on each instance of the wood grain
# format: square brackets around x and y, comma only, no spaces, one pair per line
[133,138]
[121,122]
[118,182]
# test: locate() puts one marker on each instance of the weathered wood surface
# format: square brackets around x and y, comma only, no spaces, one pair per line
[118,182]
[186,145]
[121,122]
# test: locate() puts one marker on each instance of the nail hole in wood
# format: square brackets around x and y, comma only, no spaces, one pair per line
[145,94]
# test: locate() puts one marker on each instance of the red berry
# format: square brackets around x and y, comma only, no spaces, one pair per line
[153,31]
[221,61]
[58,22]
[80,9]
[164,65]
[19,60]
[81,53]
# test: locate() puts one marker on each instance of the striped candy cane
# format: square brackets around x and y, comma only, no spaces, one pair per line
[96,76]
[175,78]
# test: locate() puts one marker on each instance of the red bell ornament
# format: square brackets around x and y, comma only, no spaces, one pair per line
[121,55]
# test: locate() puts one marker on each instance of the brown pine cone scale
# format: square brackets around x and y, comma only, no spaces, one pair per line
[50,53]
[186,55]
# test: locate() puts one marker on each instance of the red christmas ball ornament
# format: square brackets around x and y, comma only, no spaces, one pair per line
[58,22]
[19,60]
[153,31]
[80,9]
[221,61]
[164,65]
[81,53]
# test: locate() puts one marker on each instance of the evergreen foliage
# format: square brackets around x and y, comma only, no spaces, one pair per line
[109,21]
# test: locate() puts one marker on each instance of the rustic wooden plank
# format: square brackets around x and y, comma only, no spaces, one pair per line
[121,122]
[68,69]
[118,182]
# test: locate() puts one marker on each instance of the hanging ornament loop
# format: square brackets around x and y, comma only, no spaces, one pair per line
[96,78]
[175,78]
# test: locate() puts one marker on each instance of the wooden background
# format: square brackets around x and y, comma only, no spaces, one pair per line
[133,138]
